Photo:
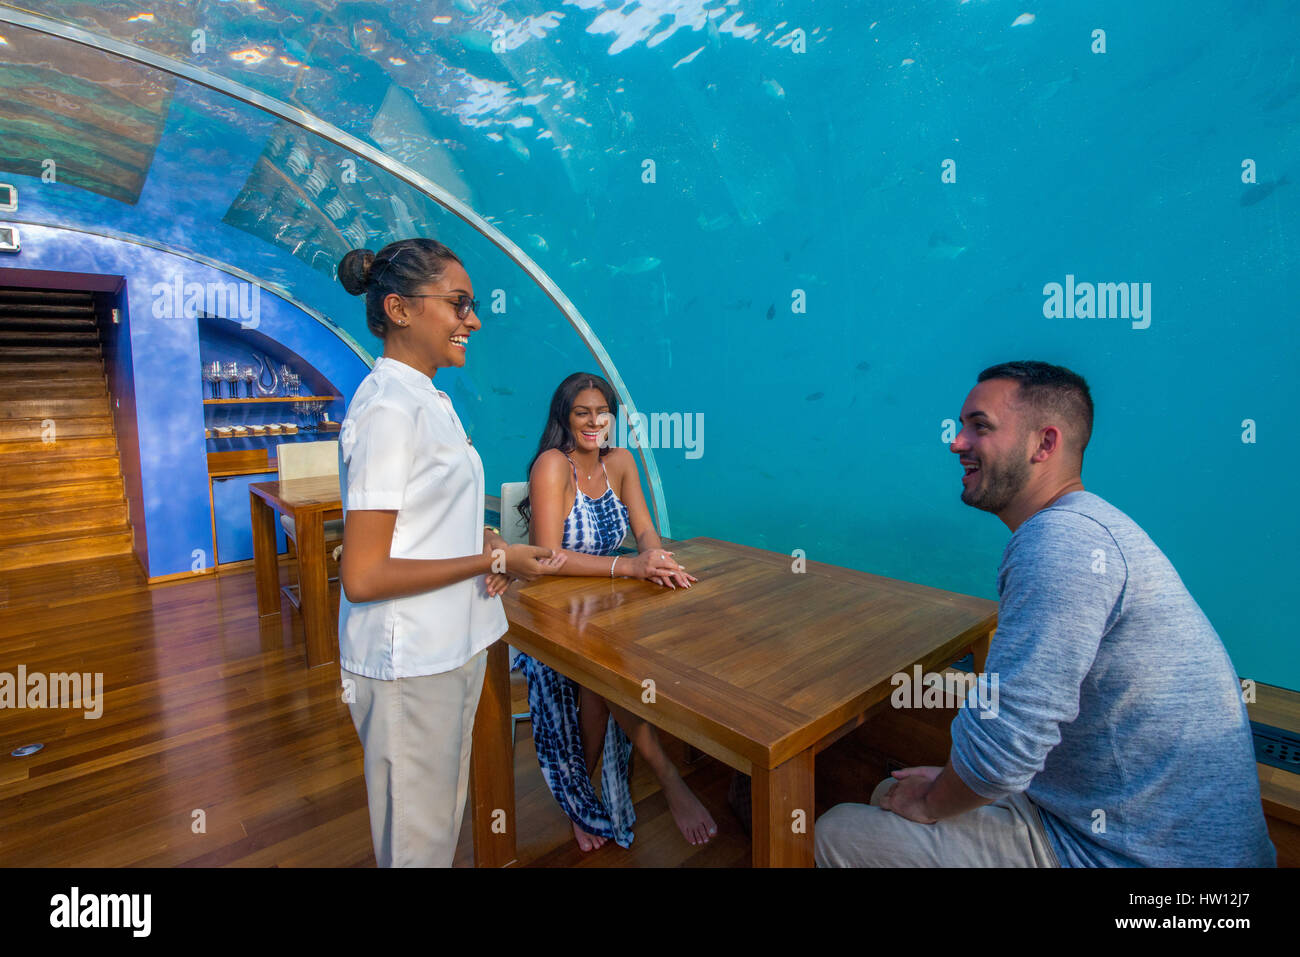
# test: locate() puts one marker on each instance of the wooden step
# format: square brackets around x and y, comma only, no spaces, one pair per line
[20,353]
[70,549]
[61,447]
[79,370]
[54,408]
[68,297]
[53,387]
[35,526]
[32,430]
[47,323]
[52,338]
[52,365]
[10,306]
[64,494]
[29,473]
[46,310]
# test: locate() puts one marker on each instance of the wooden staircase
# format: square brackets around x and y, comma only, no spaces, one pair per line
[62,497]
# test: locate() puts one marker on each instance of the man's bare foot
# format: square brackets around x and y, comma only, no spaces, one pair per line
[588,842]
[692,817]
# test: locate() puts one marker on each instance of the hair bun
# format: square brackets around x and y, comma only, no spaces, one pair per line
[354,270]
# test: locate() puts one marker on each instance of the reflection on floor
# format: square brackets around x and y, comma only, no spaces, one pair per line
[217,746]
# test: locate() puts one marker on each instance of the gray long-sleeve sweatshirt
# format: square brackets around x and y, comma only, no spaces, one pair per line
[1119,713]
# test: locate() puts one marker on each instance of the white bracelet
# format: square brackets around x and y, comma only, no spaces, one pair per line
[611,566]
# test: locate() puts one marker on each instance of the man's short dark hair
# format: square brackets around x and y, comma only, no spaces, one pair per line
[1050,392]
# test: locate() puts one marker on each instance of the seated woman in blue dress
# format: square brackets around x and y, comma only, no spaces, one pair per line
[582,499]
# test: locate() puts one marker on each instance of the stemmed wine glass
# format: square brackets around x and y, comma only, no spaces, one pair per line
[231,375]
[212,376]
[250,377]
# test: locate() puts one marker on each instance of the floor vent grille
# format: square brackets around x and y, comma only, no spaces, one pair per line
[1276,747]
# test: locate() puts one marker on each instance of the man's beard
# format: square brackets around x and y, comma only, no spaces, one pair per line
[997,483]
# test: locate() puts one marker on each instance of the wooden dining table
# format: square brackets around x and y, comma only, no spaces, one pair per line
[310,502]
[765,661]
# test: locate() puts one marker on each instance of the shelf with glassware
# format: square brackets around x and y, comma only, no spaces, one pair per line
[277,398]
[258,393]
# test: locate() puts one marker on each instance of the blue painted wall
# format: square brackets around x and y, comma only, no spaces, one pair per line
[115,342]
[168,390]
[234,527]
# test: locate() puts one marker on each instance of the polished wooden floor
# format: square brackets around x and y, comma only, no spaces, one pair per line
[218,747]
[207,708]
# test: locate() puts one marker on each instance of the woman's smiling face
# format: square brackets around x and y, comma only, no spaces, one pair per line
[433,331]
[590,420]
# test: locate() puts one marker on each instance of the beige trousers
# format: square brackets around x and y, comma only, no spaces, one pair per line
[415,738]
[1006,833]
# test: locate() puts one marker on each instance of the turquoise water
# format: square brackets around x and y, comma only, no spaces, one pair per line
[811,179]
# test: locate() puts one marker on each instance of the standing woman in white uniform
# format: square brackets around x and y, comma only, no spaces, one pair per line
[420,604]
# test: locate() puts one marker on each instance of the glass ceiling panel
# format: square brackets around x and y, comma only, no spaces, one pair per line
[228,182]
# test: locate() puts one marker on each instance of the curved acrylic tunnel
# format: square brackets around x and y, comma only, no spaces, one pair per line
[284,194]
[797,230]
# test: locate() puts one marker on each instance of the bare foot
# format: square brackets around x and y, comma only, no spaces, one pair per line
[588,842]
[692,817]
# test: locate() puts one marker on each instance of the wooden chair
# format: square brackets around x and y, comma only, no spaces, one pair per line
[515,531]
[308,460]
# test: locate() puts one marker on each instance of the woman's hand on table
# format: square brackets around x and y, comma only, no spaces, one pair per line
[657,565]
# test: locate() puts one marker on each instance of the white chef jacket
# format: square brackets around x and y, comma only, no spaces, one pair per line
[402,448]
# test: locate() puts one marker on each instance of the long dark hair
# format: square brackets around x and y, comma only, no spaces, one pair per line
[557,434]
[400,267]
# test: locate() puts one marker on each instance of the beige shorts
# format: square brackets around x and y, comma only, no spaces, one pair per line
[415,737]
[1006,833]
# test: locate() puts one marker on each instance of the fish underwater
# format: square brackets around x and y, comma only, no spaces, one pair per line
[634,266]
[517,146]
[941,247]
[772,88]
[476,40]
[714,223]
[1258,192]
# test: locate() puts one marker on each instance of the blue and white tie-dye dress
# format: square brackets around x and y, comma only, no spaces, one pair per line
[595,526]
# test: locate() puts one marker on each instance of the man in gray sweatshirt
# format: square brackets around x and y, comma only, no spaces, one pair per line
[1119,736]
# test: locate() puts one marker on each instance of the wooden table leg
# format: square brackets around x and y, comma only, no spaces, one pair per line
[492,767]
[266,569]
[313,580]
[783,813]
[980,654]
